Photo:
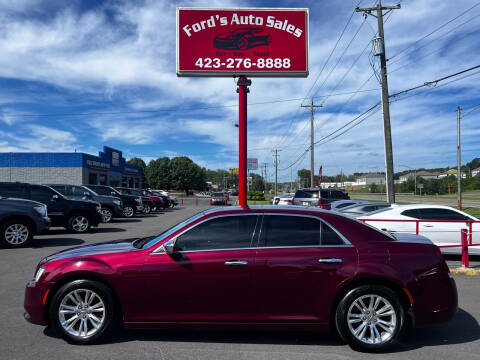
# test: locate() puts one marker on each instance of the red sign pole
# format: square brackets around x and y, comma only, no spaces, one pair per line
[242,90]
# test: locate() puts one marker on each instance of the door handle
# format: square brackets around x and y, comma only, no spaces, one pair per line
[427,225]
[330,260]
[236,263]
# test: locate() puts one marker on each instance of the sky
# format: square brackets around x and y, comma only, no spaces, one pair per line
[78,75]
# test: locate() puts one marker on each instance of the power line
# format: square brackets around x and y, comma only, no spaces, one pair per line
[434,31]
[475,108]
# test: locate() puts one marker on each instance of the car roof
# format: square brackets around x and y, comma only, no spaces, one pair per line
[397,209]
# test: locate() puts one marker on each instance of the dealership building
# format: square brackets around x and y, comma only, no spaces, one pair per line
[108,168]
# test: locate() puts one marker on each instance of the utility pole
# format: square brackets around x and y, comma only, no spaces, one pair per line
[275,163]
[459,163]
[312,165]
[265,175]
[379,50]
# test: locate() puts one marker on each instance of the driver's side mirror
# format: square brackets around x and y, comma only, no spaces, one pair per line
[87,194]
[113,193]
[54,197]
[169,247]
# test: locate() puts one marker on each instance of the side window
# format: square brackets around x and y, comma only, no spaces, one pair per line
[278,230]
[12,191]
[370,208]
[441,214]
[77,190]
[329,236]
[40,194]
[413,213]
[61,189]
[228,232]
[101,190]
[324,194]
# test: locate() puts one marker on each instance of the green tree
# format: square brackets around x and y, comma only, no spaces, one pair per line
[304,176]
[139,162]
[186,175]
[257,183]
[158,173]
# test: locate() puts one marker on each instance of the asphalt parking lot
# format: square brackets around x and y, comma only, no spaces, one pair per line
[459,339]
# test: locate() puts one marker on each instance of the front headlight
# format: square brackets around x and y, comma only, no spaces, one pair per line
[39,274]
[116,202]
[41,210]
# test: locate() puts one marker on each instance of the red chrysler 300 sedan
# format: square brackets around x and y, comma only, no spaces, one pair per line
[260,267]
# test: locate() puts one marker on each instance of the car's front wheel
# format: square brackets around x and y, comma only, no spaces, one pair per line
[78,223]
[82,311]
[369,318]
[146,209]
[16,233]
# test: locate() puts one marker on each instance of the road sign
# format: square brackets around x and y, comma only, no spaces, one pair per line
[420,186]
[252,164]
[249,180]
[233,171]
[249,42]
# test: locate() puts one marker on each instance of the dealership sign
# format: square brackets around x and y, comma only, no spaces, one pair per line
[249,42]
[252,163]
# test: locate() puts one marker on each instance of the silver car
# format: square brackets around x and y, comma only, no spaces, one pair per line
[363,209]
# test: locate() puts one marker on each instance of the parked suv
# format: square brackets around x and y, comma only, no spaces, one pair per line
[318,197]
[131,204]
[75,215]
[148,204]
[111,206]
[160,202]
[21,219]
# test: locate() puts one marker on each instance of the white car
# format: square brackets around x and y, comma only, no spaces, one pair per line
[284,199]
[440,233]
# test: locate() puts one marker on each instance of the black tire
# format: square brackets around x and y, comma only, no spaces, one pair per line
[16,233]
[79,223]
[109,318]
[128,211]
[370,320]
[107,215]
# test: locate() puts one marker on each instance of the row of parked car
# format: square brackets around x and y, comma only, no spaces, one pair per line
[439,223]
[29,209]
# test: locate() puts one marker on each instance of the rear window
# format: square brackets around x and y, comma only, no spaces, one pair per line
[307,194]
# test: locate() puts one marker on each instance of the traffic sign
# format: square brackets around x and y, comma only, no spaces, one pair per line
[249,42]
[233,171]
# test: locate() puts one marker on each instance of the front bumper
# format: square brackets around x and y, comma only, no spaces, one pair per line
[33,303]
[43,224]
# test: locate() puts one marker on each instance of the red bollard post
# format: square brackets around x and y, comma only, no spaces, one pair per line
[465,262]
[182,202]
[196,201]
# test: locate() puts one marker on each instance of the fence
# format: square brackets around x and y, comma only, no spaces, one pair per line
[466,235]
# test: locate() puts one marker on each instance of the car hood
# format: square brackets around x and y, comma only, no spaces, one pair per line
[94,249]
[412,238]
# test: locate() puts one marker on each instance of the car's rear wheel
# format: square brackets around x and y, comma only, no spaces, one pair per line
[16,233]
[128,211]
[107,215]
[146,209]
[242,43]
[82,311]
[370,318]
[78,223]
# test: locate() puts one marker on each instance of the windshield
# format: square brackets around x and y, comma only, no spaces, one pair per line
[57,192]
[135,192]
[115,191]
[90,191]
[217,194]
[144,245]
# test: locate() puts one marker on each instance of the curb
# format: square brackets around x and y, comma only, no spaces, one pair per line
[461,271]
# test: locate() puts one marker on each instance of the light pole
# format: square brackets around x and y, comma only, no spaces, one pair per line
[414,178]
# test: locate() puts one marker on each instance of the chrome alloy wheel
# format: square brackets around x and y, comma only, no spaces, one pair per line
[372,319]
[80,223]
[16,234]
[81,313]
[106,215]
[128,211]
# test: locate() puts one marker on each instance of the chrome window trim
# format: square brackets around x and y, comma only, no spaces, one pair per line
[159,249]
[344,239]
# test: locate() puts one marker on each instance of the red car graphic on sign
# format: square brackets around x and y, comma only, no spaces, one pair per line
[242,39]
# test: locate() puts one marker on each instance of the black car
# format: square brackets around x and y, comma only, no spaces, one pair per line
[111,206]
[20,220]
[75,215]
[242,39]
[131,204]
[148,204]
